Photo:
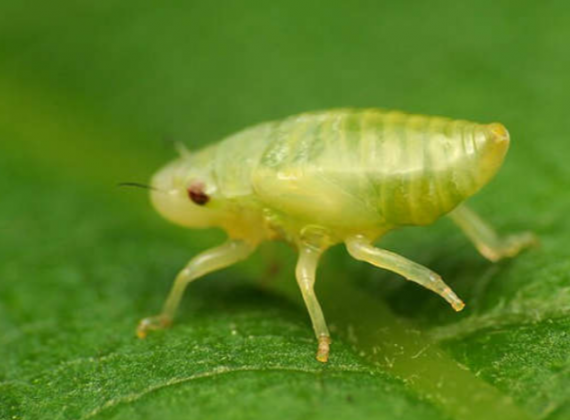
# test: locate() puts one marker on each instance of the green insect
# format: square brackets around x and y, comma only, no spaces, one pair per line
[322,178]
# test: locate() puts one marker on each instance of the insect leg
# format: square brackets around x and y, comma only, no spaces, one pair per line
[361,249]
[486,240]
[305,273]
[211,260]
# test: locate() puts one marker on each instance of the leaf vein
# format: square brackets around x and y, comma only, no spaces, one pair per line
[222,370]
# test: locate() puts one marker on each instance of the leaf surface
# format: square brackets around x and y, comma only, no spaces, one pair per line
[88,90]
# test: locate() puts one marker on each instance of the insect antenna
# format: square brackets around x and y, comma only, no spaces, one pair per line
[180,148]
[137,185]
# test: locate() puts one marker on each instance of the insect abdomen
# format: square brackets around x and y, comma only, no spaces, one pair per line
[422,167]
[407,169]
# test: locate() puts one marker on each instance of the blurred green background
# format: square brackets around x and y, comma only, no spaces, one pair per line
[88,92]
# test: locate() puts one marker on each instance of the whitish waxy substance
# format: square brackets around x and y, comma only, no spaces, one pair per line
[321,178]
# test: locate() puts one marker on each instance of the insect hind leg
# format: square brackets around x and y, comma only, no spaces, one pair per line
[360,248]
[486,240]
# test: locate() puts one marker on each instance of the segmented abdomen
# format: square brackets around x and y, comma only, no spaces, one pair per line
[410,169]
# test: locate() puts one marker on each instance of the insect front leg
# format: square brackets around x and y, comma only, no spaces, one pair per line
[211,260]
[486,240]
[305,273]
[360,248]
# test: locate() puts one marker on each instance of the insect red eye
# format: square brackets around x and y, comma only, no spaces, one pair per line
[197,194]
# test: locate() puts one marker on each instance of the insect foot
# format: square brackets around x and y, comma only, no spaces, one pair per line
[512,245]
[152,323]
[323,349]
[448,294]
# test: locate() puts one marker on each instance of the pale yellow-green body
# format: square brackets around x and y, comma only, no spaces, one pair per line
[346,170]
[321,178]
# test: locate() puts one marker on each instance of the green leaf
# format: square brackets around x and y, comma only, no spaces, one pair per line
[87,91]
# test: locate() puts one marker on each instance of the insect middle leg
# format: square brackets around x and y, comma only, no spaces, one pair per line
[211,260]
[361,249]
[305,273]
[486,240]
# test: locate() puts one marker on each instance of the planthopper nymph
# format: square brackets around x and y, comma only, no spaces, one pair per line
[339,176]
